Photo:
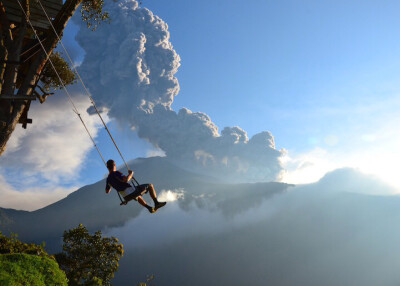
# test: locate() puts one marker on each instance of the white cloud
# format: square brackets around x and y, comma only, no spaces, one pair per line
[38,161]
[308,167]
[31,198]
[55,144]
[170,195]
[379,157]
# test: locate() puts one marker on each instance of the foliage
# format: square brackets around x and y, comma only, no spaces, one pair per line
[26,269]
[148,279]
[49,76]
[89,259]
[27,264]
[10,245]
[92,13]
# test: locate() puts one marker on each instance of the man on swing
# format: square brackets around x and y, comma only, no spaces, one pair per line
[119,182]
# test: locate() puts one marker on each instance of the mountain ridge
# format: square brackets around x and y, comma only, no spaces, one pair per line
[48,223]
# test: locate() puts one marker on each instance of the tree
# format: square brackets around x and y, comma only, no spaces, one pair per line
[89,259]
[11,245]
[49,77]
[148,279]
[22,61]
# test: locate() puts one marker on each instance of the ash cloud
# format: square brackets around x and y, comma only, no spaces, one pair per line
[130,68]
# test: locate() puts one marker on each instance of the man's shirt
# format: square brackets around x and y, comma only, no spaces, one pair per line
[115,180]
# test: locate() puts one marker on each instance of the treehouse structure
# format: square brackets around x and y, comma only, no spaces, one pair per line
[37,16]
[13,21]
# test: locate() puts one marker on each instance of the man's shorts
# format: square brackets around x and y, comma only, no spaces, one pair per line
[137,191]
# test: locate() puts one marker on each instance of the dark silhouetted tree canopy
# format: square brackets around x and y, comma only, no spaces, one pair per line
[89,259]
[92,13]
[49,77]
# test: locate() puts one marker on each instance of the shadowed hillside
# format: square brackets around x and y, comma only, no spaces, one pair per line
[95,209]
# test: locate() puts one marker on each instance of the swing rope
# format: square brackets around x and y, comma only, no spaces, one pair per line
[84,86]
[74,108]
[76,111]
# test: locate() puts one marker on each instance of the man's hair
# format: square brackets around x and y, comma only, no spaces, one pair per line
[110,164]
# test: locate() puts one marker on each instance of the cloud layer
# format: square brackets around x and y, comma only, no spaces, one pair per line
[130,68]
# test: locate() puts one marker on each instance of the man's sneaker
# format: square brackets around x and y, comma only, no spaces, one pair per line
[152,210]
[160,205]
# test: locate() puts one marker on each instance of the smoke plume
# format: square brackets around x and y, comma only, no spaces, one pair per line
[130,68]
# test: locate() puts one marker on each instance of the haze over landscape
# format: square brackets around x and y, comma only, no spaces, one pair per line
[213,232]
[275,150]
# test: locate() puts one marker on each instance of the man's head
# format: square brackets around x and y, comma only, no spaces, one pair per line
[110,165]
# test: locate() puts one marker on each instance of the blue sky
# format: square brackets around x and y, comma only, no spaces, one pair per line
[275,65]
[321,76]
[308,71]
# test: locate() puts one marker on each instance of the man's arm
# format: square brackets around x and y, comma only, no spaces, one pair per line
[108,188]
[127,178]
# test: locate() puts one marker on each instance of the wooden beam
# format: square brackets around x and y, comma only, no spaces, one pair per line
[25,122]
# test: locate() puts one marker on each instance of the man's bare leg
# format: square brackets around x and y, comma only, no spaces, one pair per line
[152,192]
[153,195]
[143,203]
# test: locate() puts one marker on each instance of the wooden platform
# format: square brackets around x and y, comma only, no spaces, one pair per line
[37,16]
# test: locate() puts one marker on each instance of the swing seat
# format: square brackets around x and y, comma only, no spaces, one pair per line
[125,200]
[139,190]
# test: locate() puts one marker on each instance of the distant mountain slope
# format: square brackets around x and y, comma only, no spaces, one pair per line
[96,210]
[8,216]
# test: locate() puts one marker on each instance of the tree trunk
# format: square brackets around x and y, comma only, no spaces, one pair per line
[11,110]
